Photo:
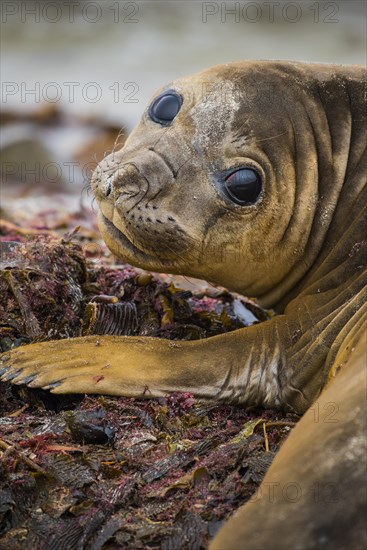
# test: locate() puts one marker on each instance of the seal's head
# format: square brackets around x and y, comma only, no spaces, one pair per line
[218,181]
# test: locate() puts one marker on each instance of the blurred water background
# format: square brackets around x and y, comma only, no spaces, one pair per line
[143,45]
[74,72]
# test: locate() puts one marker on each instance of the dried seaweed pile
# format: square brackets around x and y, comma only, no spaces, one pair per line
[124,473]
[106,473]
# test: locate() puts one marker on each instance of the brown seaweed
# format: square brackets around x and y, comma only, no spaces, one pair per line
[115,319]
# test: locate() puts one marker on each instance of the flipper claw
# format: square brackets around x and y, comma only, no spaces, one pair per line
[3,371]
[27,379]
[51,386]
[11,375]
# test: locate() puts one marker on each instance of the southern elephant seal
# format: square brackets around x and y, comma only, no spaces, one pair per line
[250,175]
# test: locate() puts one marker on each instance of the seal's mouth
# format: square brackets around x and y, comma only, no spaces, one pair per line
[139,256]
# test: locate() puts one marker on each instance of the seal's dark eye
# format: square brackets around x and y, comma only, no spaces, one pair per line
[165,107]
[243,186]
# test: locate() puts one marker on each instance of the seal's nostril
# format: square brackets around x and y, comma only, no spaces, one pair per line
[108,188]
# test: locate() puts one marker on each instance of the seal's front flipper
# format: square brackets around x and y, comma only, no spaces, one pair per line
[251,366]
[113,365]
[235,366]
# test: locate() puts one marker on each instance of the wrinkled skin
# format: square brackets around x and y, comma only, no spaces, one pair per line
[299,248]
[165,200]
[314,494]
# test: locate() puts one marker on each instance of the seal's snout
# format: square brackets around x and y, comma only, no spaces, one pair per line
[126,181]
[126,178]
[111,182]
[101,181]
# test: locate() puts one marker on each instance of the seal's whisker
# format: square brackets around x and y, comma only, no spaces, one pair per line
[181,165]
[93,203]
[271,137]
[87,188]
[116,142]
